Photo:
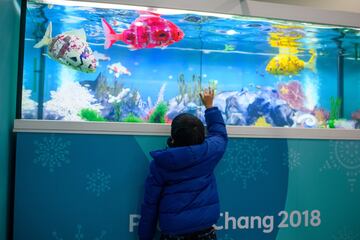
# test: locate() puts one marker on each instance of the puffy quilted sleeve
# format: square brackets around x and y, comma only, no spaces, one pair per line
[149,208]
[217,135]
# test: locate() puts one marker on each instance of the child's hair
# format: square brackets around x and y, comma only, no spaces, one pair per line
[186,130]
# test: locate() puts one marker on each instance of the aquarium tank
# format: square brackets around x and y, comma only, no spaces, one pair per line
[88,61]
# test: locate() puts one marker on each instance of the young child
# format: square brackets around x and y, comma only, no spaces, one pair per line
[180,189]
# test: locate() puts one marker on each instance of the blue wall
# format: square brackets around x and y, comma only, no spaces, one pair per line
[9,31]
[71,185]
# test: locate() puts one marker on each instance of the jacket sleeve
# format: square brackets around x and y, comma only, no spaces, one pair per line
[215,123]
[149,208]
[217,136]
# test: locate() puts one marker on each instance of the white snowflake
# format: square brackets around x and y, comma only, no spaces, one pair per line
[291,159]
[69,99]
[244,160]
[79,235]
[345,234]
[52,152]
[98,182]
[345,157]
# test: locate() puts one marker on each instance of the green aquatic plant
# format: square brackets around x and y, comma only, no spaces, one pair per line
[116,89]
[132,118]
[213,85]
[134,99]
[92,115]
[117,110]
[118,101]
[182,88]
[189,90]
[158,115]
[193,93]
[335,106]
[229,47]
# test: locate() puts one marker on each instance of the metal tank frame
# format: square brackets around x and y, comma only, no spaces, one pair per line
[233,7]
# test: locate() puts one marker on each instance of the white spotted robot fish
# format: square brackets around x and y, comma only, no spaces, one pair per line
[70,49]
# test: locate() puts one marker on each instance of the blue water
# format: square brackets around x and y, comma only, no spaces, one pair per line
[203,52]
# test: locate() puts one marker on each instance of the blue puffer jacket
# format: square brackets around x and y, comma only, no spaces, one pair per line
[181,190]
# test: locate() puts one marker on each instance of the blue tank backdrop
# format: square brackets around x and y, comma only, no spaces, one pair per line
[124,64]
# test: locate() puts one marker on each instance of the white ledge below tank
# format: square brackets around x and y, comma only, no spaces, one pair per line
[116,128]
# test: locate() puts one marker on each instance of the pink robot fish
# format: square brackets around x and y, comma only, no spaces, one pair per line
[149,30]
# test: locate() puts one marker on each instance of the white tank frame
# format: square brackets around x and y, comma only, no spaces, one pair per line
[146,129]
[233,7]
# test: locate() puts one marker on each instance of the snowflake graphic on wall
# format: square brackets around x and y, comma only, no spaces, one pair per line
[79,235]
[345,234]
[244,160]
[345,157]
[291,159]
[98,182]
[52,152]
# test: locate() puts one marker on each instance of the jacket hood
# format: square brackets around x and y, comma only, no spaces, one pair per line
[179,157]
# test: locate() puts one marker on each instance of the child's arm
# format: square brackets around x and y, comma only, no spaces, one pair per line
[149,208]
[214,121]
[217,138]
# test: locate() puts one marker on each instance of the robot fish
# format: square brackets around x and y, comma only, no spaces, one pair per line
[288,64]
[147,31]
[69,48]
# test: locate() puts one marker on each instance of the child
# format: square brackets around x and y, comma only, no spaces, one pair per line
[180,189]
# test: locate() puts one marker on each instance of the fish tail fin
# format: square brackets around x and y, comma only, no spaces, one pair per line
[312,61]
[46,39]
[110,34]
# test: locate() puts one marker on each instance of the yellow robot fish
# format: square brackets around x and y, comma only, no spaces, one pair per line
[289,64]
[286,39]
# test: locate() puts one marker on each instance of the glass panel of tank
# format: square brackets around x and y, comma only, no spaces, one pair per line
[98,62]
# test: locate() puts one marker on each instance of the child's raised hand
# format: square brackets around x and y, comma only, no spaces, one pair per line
[207,97]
